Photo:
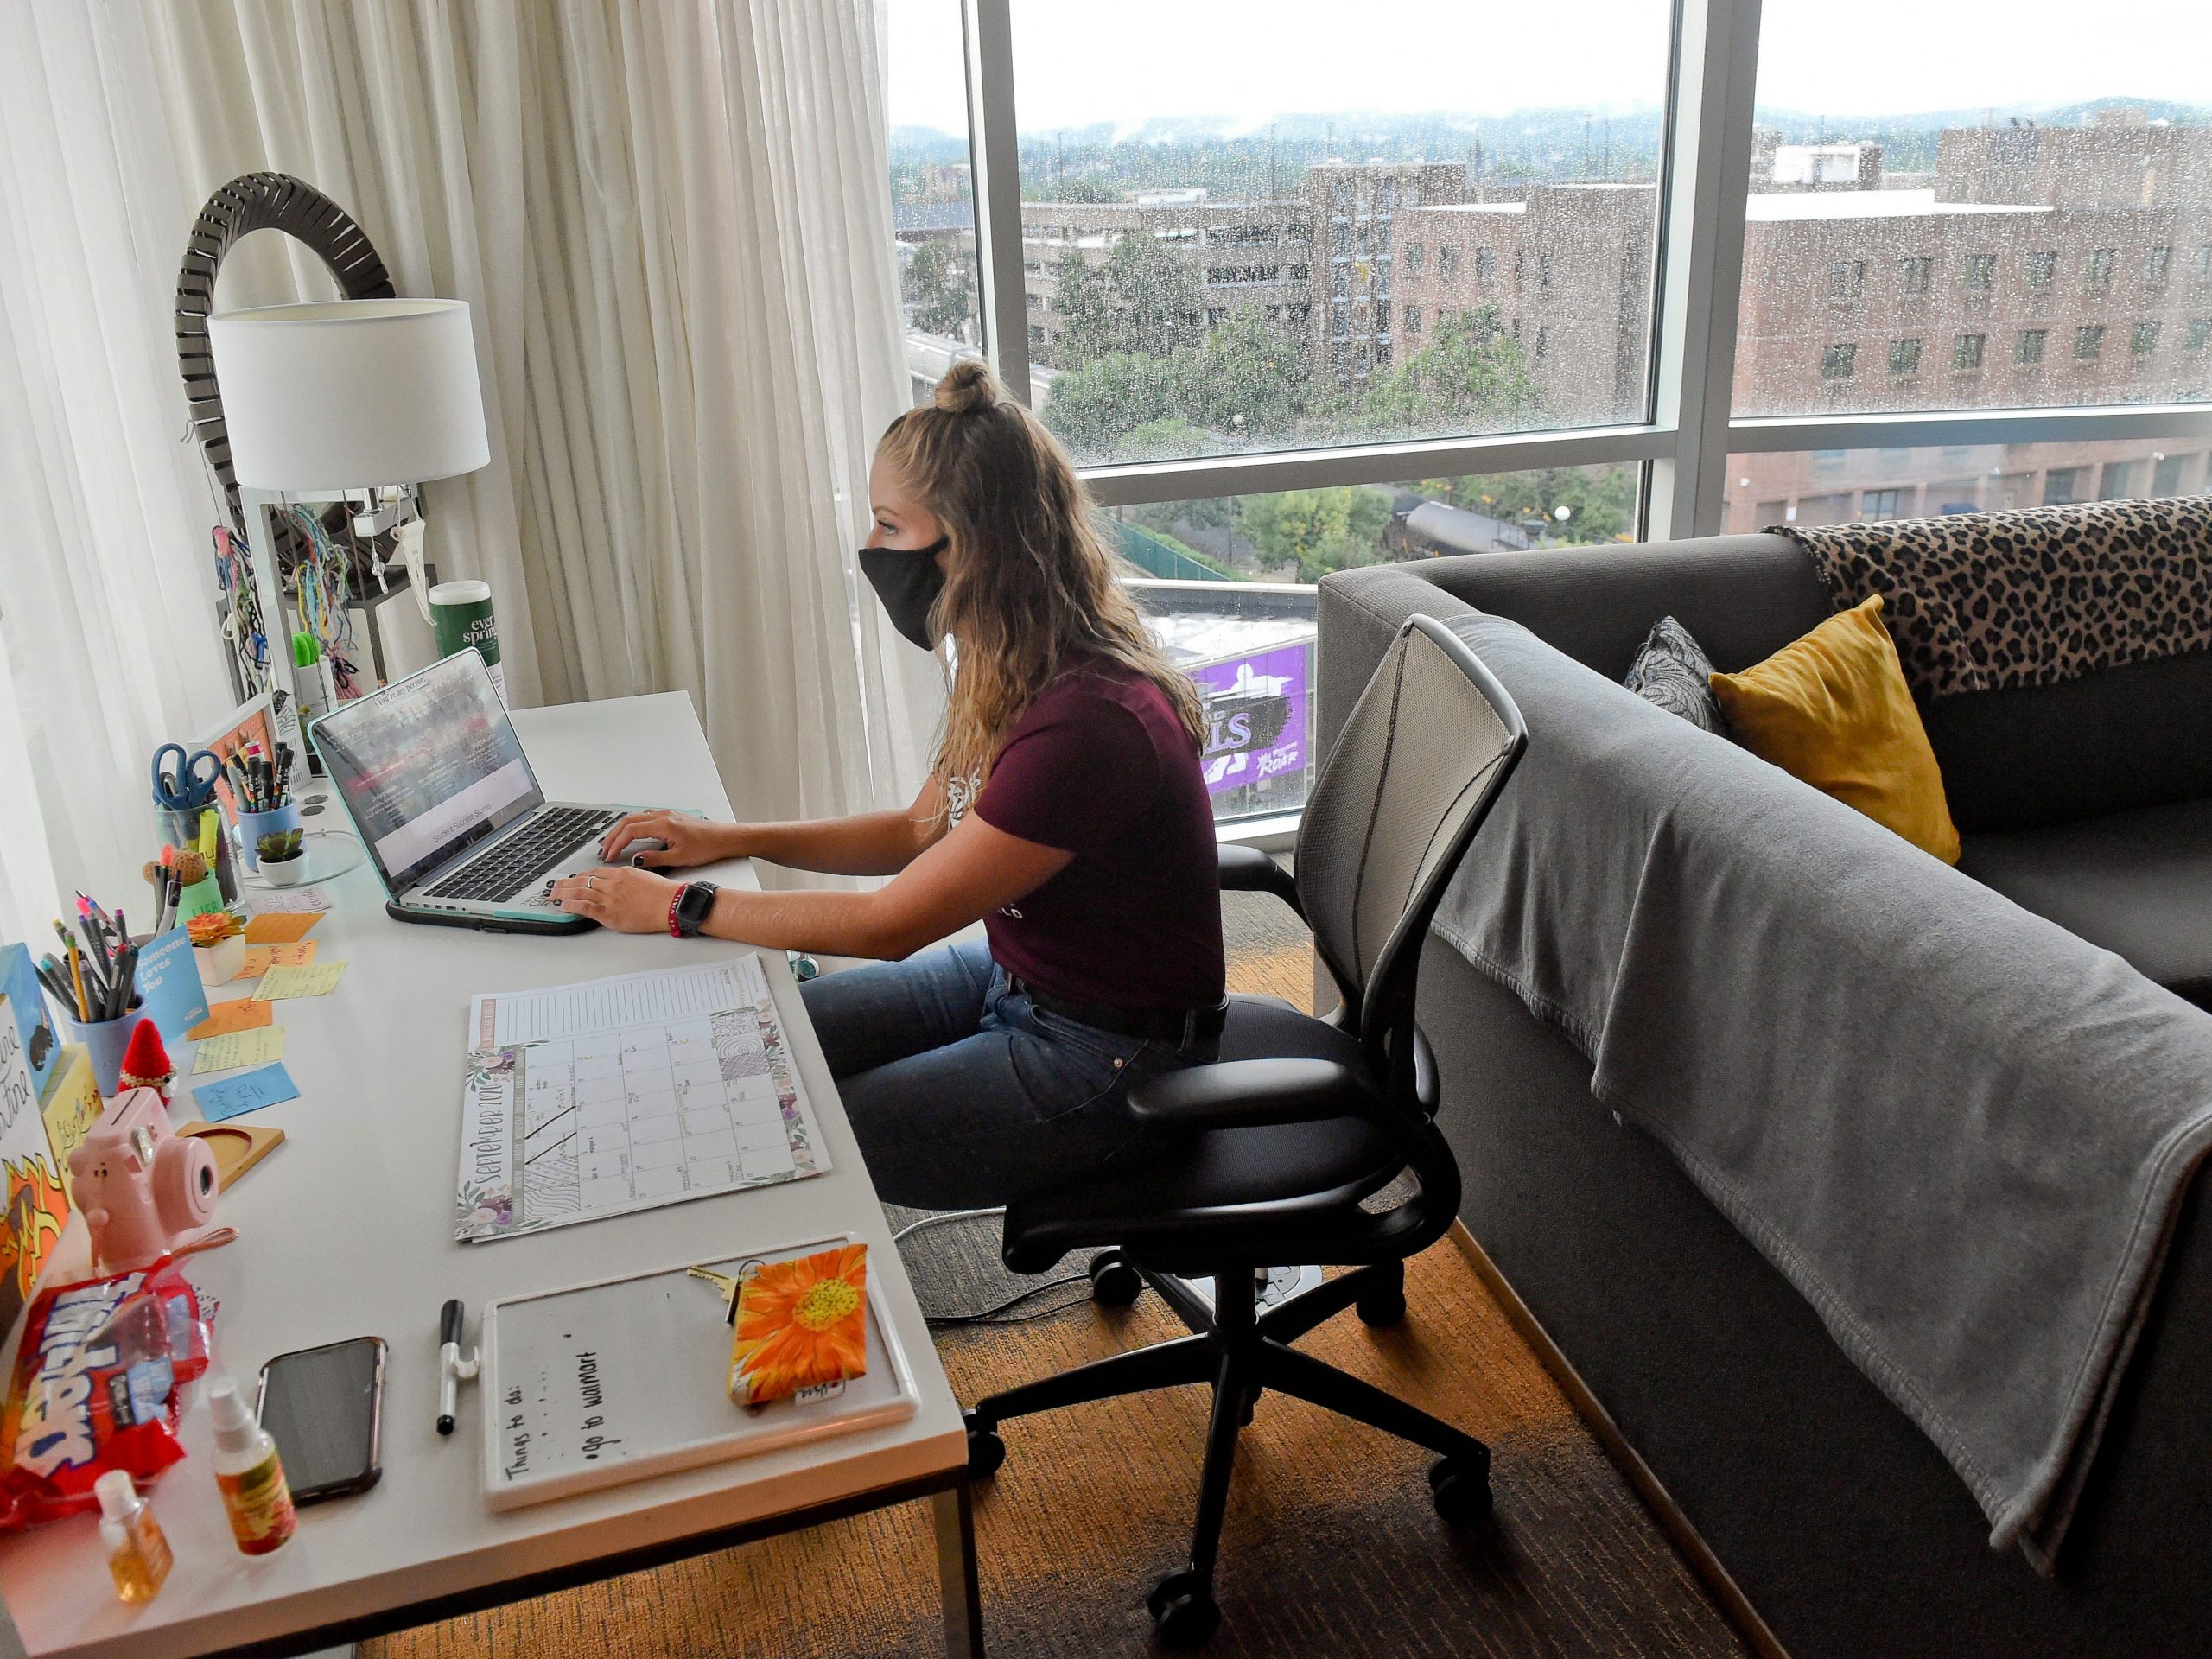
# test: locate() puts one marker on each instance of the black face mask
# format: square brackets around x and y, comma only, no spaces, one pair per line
[907,581]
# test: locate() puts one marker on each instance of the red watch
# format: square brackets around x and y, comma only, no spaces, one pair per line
[689,909]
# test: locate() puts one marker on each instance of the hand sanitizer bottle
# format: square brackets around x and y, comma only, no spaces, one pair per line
[248,1474]
[137,1550]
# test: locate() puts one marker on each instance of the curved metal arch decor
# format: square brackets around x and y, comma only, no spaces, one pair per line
[258,201]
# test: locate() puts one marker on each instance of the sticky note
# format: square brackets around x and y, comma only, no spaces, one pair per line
[291,900]
[238,1048]
[260,958]
[249,1092]
[318,979]
[281,928]
[240,1014]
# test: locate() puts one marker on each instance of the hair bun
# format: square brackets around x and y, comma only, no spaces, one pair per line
[967,386]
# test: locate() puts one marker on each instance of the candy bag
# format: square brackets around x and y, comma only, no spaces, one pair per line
[96,1387]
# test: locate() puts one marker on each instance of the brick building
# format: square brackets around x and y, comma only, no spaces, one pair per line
[1566,268]
[2035,267]
[1242,253]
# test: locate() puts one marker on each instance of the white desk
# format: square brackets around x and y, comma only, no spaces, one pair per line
[347,1230]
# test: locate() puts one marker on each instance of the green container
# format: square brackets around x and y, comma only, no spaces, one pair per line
[462,614]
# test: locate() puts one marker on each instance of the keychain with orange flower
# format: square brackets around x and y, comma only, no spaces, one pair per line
[800,1325]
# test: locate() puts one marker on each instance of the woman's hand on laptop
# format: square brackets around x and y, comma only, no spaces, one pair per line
[628,900]
[685,840]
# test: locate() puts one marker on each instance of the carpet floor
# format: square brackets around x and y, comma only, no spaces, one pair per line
[1330,1547]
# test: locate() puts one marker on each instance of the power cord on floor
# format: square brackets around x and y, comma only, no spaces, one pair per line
[992,1315]
[939,1219]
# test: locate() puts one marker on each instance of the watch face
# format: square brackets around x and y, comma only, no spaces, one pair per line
[695,905]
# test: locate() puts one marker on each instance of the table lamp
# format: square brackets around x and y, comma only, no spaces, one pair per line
[324,401]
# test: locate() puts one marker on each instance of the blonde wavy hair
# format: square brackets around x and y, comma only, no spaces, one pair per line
[1028,583]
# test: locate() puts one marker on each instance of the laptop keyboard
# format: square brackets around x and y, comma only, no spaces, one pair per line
[516,863]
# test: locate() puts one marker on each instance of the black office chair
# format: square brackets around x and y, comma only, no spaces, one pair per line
[1302,1118]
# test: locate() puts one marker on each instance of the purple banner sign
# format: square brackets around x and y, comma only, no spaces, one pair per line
[1255,717]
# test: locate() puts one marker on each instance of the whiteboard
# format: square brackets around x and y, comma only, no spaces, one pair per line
[628,1378]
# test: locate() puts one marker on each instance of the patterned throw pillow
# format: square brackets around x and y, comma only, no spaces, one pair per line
[1670,671]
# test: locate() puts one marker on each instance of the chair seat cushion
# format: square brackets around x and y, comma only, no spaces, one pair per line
[1309,1170]
[2138,883]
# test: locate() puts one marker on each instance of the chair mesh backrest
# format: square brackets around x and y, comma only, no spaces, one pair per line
[1421,755]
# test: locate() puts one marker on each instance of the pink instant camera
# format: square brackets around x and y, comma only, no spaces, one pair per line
[142,1189]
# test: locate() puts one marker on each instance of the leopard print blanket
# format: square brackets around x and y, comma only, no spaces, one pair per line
[1978,601]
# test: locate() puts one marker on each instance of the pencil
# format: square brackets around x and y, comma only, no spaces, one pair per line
[77,977]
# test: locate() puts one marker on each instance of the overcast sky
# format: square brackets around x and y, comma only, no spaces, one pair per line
[1246,59]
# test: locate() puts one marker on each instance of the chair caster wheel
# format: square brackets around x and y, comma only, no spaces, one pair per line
[1384,1306]
[1183,1610]
[986,1451]
[1461,1491]
[1114,1281]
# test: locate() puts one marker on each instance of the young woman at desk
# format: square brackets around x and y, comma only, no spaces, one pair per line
[1067,811]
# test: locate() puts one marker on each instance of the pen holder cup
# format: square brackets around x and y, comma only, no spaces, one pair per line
[182,830]
[252,826]
[220,963]
[202,896]
[104,1041]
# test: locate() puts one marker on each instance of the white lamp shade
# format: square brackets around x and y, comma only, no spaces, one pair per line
[321,399]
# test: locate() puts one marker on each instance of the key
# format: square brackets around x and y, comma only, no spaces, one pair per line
[722,1283]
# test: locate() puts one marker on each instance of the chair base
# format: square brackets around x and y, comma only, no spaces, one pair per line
[1242,1353]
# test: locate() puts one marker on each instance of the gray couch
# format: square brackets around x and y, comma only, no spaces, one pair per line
[2088,802]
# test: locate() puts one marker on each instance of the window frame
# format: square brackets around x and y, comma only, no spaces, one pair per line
[1682,448]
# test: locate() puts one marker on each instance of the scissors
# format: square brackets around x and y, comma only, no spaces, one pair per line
[182,788]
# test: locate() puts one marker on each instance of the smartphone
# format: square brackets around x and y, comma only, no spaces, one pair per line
[324,1408]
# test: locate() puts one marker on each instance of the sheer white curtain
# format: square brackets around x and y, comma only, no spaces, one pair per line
[672,223]
[107,625]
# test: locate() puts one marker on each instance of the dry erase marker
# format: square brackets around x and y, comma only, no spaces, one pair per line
[453,1370]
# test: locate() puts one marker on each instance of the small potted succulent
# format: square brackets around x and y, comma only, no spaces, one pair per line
[218,945]
[282,864]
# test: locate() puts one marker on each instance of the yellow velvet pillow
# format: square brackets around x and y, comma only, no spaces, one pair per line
[1832,709]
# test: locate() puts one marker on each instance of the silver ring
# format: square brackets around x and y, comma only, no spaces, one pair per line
[592,883]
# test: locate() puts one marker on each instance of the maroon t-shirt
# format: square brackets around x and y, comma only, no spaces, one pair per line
[1099,766]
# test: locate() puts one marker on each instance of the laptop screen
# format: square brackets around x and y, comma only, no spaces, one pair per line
[426,767]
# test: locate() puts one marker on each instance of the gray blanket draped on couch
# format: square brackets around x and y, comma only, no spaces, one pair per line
[1959,1129]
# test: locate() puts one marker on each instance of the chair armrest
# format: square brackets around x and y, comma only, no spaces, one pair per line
[1251,1094]
[1247,869]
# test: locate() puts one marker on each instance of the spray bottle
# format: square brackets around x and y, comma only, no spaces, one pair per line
[248,1474]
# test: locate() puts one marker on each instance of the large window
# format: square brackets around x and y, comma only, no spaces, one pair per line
[1220,210]
[1257,278]
[1827,487]
[2089,162]
[933,190]
[1227,583]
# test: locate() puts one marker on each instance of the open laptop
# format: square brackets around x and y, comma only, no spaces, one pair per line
[436,784]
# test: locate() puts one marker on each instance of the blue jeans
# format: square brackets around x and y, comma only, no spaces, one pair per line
[965,1095]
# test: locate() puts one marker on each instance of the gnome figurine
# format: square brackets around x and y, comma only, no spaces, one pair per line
[145,1062]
